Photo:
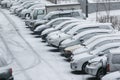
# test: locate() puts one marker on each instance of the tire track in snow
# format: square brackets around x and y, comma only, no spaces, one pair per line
[60,77]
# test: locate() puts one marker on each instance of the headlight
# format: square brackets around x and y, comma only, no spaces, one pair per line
[93,64]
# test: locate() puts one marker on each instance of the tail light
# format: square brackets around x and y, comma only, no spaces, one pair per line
[108,68]
[10,70]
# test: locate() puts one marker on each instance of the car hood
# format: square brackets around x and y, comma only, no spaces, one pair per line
[80,50]
[47,30]
[71,48]
[67,41]
[112,76]
[81,56]
[40,27]
[98,59]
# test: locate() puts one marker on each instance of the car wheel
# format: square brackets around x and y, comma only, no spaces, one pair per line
[11,79]
[84,66]
[100,73]
[27,16]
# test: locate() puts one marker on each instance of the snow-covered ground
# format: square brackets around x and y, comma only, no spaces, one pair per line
[42,62]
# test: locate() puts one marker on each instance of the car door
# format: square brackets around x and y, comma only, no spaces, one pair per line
[114,62]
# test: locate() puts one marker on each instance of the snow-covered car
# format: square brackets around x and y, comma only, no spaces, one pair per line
[80,61]
[58,27]
[21,4]
[98,66]
[76,49]
[113,65]
[6,3]
[5,70]
[56,14]
[18,10]
[85,34]
[37,13]
[51,23]
[26,12]
[56,39]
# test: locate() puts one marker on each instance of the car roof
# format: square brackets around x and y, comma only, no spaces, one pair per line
[101,36]
[90,31]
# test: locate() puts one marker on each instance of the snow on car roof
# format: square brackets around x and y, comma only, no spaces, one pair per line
[60,18]
[65,22]
[117,50]
[58,12]
[101,36]
[89,31]
[97,41]
[106,46]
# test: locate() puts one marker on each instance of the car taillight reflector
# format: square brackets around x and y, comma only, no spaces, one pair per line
[10,70]
[108,68]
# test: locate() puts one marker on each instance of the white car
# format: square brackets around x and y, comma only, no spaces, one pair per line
[98,66]
[56,39]
[82,36]
[60,26]
[55,14]
[26,12]
[52,23]
[76,49]
[113,65]
[80,61]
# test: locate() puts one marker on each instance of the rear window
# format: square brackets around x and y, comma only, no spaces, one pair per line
[116,58]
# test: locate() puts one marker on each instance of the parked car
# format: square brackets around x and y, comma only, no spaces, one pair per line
[5,70]
[98,66]
[85,34]
[76,49]
[26,12]
[85,25]
[80,61]
[51,23]
[56,14]
[58,27]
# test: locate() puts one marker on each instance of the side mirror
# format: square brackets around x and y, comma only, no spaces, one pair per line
[101,53]
[81,41]
[75,33]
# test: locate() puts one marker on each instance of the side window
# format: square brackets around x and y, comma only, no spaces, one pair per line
[35,14]
[75,14]
[87,36]
[53,16]
[40,12]
[65,15]
[104,27]
[116,58]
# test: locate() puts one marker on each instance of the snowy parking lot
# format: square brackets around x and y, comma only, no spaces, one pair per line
[31,58]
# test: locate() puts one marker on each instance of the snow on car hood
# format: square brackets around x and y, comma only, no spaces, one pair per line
[81,56]
[112,76]
[40,27]
[71,48]
[97,59]
[80,50]
[67,41]
[47,30]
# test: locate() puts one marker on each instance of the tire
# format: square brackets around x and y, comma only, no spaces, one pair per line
[84,66]
[101,72]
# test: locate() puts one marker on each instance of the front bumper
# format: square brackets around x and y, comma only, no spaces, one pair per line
[74,67]
[91,70]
